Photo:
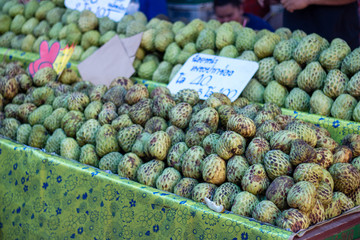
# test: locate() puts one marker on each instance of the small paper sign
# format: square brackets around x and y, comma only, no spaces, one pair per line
[208,74]
[113,9]
[114,59]
[52,57]
[63,58]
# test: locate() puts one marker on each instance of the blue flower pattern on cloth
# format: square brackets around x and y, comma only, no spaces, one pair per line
[48,197]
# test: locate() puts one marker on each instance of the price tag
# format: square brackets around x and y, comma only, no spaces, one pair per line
[208,74]
[113,9]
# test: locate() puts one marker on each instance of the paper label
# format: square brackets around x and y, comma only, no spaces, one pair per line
[208,74]
[113,9]
[112,60]
[51,56]
[63,58]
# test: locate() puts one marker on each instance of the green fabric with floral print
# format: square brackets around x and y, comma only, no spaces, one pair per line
[44,196]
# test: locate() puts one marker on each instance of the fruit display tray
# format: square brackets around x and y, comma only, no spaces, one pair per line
[339,128]
[46,196]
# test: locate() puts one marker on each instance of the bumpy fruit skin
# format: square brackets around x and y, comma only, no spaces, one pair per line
[87,132]
[345,202]
[236,168]
[92,110]
[23,133]
[38,136]
[324,193]
[196,134]
[277,164]
[303,131]
[266,211]
[202,190]
[346,177]
[180,115]
[324,157]
[88,155]
[230,143]
[286,73]
[264,47]
[139,147]
[106,141]
[9,87]
[355,197]
[268,129]
[256,150]
[187,95]
[333,209]
[168,179]
[24,110]
[191,161]
[110,161]
[310,172]
[242,125]
[209,143]
[265,73]
[53,142]
[71,122]
[148,172]
[39,115]
[301,152]
[278,98]
[141,111]
[121,122]
[278,190]
[162,105]
[128,166]
[262,117]
[207,115]
[225,193]
[122,81]
[283,140]
[335,83]
[244,203]
[302,196]
[44,76]
[69,148]
[343,107]
[293,219]
[255,179]
[185,186]
[159,145]
[155,124]
[174,155]
[342,154]
[176,134]
[351,64]
[298,100]
[213,169]
[11,110]
[87,21]
[127,136]
[135,93]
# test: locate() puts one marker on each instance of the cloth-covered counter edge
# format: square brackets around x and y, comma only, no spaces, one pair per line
[202,216]
[190,218]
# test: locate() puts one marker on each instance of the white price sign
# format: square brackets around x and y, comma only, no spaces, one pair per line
[208,74]
[114,9]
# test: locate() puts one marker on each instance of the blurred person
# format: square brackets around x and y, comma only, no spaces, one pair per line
[328,18]
[233,10]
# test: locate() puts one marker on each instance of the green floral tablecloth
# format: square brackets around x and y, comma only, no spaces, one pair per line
[48,197]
